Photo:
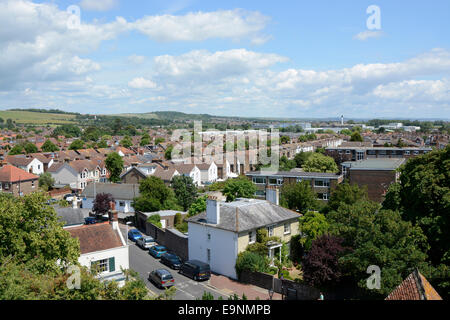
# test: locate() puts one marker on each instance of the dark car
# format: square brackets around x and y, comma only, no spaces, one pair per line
[157,251]
[171,260]
[162,278]
[90,220]
[196,270]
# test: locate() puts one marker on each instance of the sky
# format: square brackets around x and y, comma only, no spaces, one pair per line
[294,59]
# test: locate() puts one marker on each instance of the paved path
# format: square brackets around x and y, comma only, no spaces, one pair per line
[230,286]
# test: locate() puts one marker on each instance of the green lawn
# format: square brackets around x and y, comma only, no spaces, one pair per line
[25,117]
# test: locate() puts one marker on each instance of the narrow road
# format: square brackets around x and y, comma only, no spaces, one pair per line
[143,263]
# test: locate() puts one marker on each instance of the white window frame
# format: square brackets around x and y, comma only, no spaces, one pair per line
[270,230]
[104,263]
[287,228]
[251,237]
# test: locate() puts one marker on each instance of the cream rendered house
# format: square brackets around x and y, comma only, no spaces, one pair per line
[218,235]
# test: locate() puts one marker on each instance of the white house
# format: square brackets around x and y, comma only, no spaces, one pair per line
[123,194]
[189,170]
[76,173]
[208,172]
[218,235]
[26,163]
[102,246]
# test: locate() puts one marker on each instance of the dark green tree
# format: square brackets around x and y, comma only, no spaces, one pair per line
[76,145]
[114,164]
[356,136]
[49,146]
[318,162]
[46,181]
[185,190]
[299,196]
[239,187]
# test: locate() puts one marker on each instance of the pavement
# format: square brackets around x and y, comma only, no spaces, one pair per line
[187,289]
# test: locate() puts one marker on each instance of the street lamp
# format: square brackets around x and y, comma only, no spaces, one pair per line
[128,223]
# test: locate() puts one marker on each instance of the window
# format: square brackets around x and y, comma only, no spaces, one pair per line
[209,236]
[340,151]
[270,231]
[407,152]
[416,153]
[101,265]
[360,155]
[32,184]
[321,183]
[259,180]
[322,196]
[275,181]
[347,151]
[208,254]
[6,186]
[251,237]
[121,203]
[287,228]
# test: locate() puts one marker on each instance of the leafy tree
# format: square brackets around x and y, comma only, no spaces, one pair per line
[198,206]
[346,194]
[30,148]
[159,140]
[321,264]
[312,225]
[299,196]
[31,231]
[356,136]
[102,144]
[102,203]
[145,140]
[346,132]
[423,198]
[154,196]
[377,237]
[185,191]
[17,149]
[168,152]
[126,142]
[49,146]
[284,139]
[286,164]
[114,164]
[67,130]
[76,145]
[9,124]
[318,162]
[46,181]
[239,187]
[155,219]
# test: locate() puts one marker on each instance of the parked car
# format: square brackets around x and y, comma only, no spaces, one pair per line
[171,260]
[69,197]
[145,242]
[162,278]
[157,251]
[134,235]
[90,220]
[196,270]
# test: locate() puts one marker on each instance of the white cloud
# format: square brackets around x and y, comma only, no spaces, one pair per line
[141,83]
[367,35]
[199,26]
[99,5]
[135,59]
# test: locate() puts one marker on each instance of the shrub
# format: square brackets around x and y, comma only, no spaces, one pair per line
[156,220]
[251,261]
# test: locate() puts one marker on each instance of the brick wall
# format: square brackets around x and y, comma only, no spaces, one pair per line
[377,181]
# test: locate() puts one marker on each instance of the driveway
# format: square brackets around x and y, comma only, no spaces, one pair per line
[187,289]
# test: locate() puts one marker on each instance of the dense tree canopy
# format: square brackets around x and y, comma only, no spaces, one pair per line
[114,164]
[346,194]
[312,225]
[299,196]
[46,181]
[239,187]
[318,162]
[76,145]
[155,196]
[185,191]
[49,146]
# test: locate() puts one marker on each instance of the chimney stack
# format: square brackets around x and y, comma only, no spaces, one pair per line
[75,202]
[113,216]
[273,195]
[212,210]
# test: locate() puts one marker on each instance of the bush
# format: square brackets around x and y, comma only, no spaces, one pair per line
[155,219]
[252,262]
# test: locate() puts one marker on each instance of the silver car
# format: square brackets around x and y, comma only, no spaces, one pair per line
[145,242]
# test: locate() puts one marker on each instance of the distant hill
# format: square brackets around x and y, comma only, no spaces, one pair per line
[37,117]
[168,115]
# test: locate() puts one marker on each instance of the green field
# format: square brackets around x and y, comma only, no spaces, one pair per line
[25,117]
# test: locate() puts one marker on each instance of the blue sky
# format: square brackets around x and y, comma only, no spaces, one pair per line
[236,58]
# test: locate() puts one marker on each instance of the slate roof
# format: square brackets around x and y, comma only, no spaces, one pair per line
[375,164]
[118,191]
[414,287]
[96,237]
[10,173]
[165,175]
[247,214]
[71,216]
[19,160]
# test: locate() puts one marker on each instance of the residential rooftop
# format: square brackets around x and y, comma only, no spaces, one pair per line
[375,164]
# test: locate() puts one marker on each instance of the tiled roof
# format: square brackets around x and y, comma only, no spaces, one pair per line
[96,237]
[165,175]
[18,160]
[414,287]
[10,173]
